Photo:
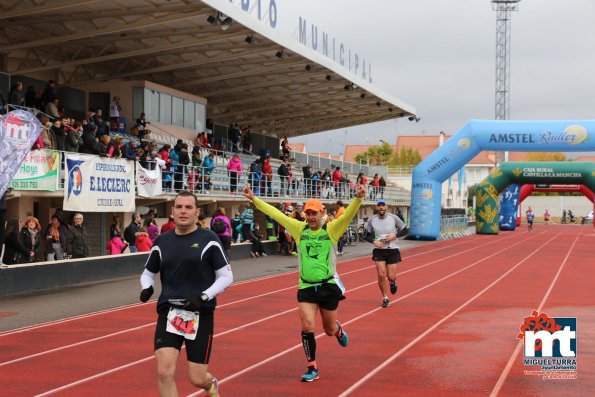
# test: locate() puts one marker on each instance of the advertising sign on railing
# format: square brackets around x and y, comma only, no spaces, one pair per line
[98,184]
[38,171]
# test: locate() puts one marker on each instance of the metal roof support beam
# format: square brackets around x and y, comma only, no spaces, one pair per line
[53,5]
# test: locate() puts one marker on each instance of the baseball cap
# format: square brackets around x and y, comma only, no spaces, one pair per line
[314,205]
[381,202]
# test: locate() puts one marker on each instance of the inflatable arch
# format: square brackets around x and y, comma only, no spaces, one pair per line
[478,135]
[553,172]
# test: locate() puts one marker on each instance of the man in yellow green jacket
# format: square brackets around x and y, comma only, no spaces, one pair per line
[319,284]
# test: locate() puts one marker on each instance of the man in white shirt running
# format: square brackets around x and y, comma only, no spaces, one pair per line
[383,231]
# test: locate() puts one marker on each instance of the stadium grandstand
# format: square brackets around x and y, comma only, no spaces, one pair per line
[210,78]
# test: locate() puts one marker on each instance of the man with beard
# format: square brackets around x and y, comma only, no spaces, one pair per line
[383,231]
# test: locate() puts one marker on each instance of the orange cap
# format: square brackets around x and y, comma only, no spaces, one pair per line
[314,205]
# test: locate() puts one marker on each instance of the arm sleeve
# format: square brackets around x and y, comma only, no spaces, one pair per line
[153,263]
[337,227]
[223,279]
[293,226]
[147,279]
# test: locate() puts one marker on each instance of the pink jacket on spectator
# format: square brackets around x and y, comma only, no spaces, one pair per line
[153,231]
[235,164]
[115,246]
[227,223]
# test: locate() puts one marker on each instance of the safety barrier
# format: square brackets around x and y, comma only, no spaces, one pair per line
[454,227]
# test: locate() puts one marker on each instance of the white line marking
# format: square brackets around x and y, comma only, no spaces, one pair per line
[519,345]
[367,377]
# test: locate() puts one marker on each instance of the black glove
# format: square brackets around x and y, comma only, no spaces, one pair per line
[194,303]
[146,294]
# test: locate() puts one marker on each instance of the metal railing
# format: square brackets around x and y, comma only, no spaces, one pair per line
[454,227]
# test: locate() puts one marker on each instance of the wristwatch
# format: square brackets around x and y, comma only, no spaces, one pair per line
[204,297]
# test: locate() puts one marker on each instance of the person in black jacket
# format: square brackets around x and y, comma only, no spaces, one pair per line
[283,172]
[131,230]
[30,237]
[76,238]
[181,169]
[14,249]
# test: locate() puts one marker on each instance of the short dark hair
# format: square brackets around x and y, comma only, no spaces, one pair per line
[185,193]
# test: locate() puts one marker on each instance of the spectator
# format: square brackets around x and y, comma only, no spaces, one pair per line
[337,177]
[103,146]
[31,239]
[183,161]
[235,135]
[129,151]
[48,95]
[307,172]
[55,239]
[221,225]
[169,225]
[14,250]
[76,238]
[208,163]
[151,226]
[113,147]
[202,220]
[47,135]
[196,159]
[115,228]
[116,246]
[270,227]
[236,227]
[114,114]
[52,108]
[255,176]
[382,186]
[89,141]
[257,246]
[247,140]
[16,96]
[283,172]
[247,220]
[267,176]
[285,149]
[141,127]
[31,97]
[234,167]
[100,123]
[142,242]
[73,139]
[131,230]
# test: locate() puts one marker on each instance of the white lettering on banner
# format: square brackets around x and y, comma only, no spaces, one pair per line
[98,184]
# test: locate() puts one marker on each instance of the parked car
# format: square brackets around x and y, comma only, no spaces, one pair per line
[588,218]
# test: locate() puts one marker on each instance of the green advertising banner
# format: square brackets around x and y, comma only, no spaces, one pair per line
[38,171]
[558,173]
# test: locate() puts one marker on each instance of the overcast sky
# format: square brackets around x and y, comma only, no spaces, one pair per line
[439,57]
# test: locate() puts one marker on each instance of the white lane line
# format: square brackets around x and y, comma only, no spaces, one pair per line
[16,360]
[519,346]
[388,361]
[282,353]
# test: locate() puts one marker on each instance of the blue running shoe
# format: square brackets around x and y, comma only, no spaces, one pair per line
[343,339]
[393,287]
[310,375]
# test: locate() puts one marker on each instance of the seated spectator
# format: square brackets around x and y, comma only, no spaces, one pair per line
[129,151]
[113,148]
[143,243]
[116,245]
[141,127]
[103,147]
[257,246]
[196,159]
[208,163]
[90,141]
[52,108]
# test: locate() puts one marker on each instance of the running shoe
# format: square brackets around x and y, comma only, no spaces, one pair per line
[263,255]
[393,287]
[310,375]
[252,254]
[293,253]
[385,302]
[214,392]
[343,339]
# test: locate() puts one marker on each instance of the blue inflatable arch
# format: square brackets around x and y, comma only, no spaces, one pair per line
[478,135]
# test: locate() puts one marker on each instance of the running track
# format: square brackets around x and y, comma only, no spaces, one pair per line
[450,331]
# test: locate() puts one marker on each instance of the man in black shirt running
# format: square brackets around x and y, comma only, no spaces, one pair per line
[193,270]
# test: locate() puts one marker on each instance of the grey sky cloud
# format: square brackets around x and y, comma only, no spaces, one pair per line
[439,56]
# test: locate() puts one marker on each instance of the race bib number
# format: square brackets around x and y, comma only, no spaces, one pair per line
[182,322]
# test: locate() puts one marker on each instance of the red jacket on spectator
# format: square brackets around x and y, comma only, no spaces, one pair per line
[143,243]
[336,177]
[266,168]
[169,225]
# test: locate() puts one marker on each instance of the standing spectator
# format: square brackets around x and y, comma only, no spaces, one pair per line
[247,220]
[89,140]
[285,149]
[113,147]
[255,176]
[221,225]
[76,238]
[116,246]
[114,114]
[100,123]
[52,108]
[55,239]
[31,239]
[141,127]
[115,228]
[129,151]
[234,167]
[183,159]
[337,177]
[47,135]
[236,137]
[247,140]
[375,187]
[236,227]
[257,247]
[73,139]
[16,96]
[14,250]
[307,171]
[169,225]
[208,163]
[382,186]
[283,172]
[196,159]
[131,230]
[267,176]
[142,242]
[59,134]
[48,94]
[151,226]
[31,97]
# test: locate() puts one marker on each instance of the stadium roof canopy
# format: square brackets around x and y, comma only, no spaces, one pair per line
[278,84]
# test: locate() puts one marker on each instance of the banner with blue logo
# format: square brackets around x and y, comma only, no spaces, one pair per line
[98,184]
[509,201]
[19,129]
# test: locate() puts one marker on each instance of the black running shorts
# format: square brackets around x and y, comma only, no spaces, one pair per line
[326,296]
[391,255]
[197,350]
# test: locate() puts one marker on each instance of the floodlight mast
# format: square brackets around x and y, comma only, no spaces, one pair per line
[503,10]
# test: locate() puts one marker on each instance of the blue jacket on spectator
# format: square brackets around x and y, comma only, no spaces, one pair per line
[208,164]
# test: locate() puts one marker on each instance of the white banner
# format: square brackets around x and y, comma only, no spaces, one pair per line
[98,184]
[148,182]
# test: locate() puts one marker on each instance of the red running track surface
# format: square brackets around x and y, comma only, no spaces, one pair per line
[450,330]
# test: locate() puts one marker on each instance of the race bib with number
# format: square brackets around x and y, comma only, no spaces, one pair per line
[182,322]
